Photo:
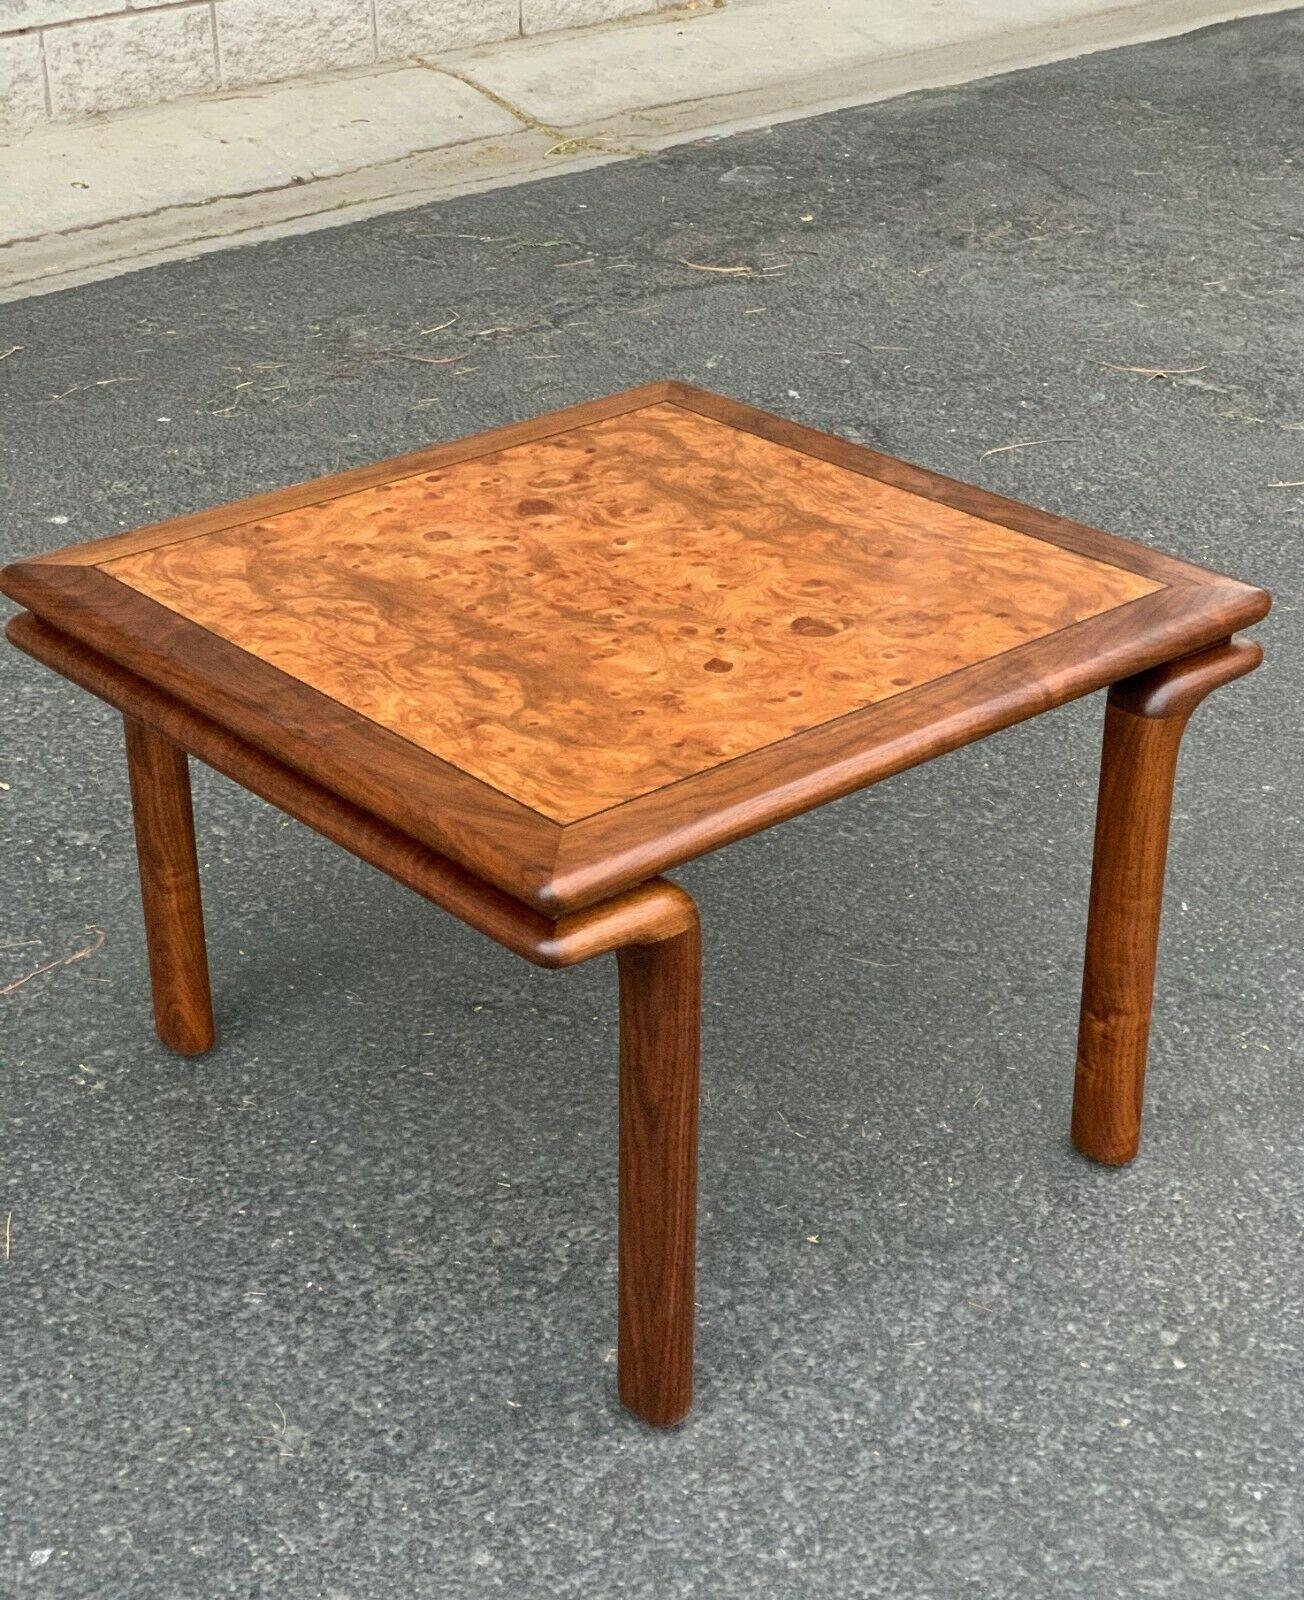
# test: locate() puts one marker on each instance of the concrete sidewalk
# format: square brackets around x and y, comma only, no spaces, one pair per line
[87,200]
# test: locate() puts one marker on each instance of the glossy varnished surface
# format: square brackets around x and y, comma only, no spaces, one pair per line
[1145,717]
[169,888]
[159,732]
[660,1031]
[457,646]
[591,616]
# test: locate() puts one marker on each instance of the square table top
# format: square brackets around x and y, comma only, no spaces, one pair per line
[571,652]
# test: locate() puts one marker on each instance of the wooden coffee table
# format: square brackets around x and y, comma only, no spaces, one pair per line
[526,673]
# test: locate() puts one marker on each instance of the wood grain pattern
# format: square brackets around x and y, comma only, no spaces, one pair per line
[94,552]
[654,910]
[455,814]
[654,928]
[524,673]
[586,618]
[784,780]
[559,869]
[935,486]
[169,889]
[1145,718]
[660,1026]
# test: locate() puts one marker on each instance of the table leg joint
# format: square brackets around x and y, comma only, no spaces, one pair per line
[1145,718]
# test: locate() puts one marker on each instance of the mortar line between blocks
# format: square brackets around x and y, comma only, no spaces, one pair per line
[117,14]
[217,48]
[45,78]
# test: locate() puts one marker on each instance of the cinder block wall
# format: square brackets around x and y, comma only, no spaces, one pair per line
[70,58]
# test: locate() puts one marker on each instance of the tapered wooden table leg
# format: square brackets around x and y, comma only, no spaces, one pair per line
[169,889]
[1145,717]
[660,1026]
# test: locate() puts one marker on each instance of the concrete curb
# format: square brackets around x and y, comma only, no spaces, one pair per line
[90,200]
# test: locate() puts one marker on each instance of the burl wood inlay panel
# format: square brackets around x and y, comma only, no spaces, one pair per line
[588,617]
